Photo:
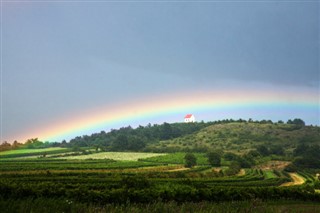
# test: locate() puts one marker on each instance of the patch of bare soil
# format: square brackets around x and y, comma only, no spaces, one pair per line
[217,169]
[297,180]
[242,172]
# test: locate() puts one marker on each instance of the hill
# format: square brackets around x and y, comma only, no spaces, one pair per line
[239,137]
[242,137]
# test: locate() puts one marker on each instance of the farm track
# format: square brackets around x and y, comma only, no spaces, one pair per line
[297,180]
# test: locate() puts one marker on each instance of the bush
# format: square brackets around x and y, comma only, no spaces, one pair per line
[190,160]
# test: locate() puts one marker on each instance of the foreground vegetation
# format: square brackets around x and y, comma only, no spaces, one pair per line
[40,205]
[161,182]
[259,172]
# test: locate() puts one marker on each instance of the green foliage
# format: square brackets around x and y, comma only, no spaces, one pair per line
[139,139]
[307,156]
[66,205]
[177,158]
[230,156]
[245,161]
[70,165]
[263,150]
[233,169]
[135,182]
[163,178]
[242,137]
[276,149]
[214,158]
[296,121]
[190,160]
[119,182]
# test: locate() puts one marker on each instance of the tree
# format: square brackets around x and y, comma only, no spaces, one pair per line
[64,143]
[120,143]
[33,143]
[136,143]
[214,158]
[190,160]
[298,122]
[230,156]
[16,144]
[233,169]
[5,146]
[301,149]
[307,156]
[166,131]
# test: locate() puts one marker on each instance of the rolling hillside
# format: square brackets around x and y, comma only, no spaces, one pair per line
[241,137]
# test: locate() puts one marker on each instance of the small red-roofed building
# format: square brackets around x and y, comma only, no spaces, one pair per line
[189,118]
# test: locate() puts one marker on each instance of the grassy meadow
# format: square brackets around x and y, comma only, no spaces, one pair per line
[120,156]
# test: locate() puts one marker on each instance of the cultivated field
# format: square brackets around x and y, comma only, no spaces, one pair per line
[135,181]
[119,156]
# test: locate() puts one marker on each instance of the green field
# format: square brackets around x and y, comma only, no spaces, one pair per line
[269,174]
[130,181]
[31,151]
[177,158]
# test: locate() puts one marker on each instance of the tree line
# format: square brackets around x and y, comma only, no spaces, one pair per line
[136,139]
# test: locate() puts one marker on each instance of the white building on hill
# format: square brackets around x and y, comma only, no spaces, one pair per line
[189,118]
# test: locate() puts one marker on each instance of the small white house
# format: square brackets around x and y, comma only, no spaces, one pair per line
[189,118]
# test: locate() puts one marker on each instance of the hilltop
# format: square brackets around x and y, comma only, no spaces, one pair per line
[242,137]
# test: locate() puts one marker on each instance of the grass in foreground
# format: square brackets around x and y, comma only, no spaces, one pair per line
[58,205]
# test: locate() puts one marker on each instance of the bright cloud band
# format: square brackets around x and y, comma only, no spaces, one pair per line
[217,104]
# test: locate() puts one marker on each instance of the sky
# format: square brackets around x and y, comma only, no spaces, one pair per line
[70,68]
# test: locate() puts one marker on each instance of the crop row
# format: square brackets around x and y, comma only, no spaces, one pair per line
[71,165]
[137,189]
[112,177]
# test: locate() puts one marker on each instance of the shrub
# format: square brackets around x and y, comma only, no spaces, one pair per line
[190,160]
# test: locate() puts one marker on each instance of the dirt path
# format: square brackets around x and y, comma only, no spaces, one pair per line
[297,180]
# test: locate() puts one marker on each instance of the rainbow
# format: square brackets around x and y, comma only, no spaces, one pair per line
[213,105]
